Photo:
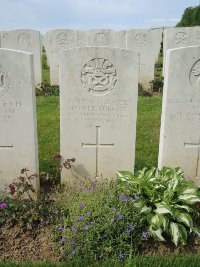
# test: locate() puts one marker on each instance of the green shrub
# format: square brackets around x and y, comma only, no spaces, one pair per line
[166,200]
[17,204]
[45,89]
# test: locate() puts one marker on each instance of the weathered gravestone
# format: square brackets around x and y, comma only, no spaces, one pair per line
[28,41]
[158,36]
[180,126]
[180,37]
[56,41]
[101,37]
[146,44]
[18,134]
[98,107]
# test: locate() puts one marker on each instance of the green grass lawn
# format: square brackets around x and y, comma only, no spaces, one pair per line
[148,124]
[141,261]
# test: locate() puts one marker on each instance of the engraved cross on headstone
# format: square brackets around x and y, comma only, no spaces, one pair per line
[6,147]
[194,145]
[98,145]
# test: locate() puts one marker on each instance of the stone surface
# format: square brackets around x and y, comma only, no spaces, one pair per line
[180,125]
[56,41]
[101,37]
[18,135]
[158,36]
[146,44]
[98,106]
[180,37]
[28,41]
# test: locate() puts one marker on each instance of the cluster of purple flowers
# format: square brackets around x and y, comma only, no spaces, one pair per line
[3,205]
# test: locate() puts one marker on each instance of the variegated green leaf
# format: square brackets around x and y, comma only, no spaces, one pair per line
[158,234]
[183,234]
[196,231]
[185,207]
[163,209]
[186,219]
[146,209]
[174,231]
[189,191]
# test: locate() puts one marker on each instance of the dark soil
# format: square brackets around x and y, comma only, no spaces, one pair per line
[26,243]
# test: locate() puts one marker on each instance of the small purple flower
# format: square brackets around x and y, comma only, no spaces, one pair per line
[88,213]
[132,227]
[46,222]
[112,219]
[74,228]
[94,181]
[64,240]
[121,256]
[128,230]
[86,227]
[123,197]
[82,204]
[3,205]
[72,242]
[73,252]
[145,234]
[79,219]
[120,216]
[79,247]
[90,190]
[60,228]
[56,212]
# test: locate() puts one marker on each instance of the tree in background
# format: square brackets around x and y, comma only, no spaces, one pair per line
[190,17]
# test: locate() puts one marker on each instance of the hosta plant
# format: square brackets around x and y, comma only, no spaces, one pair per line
[167,201]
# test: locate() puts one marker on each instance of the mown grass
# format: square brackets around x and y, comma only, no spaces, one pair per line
[48,133]
[140,261]
[147,142]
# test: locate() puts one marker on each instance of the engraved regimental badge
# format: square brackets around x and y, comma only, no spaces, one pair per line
[24,39]
[99,76]
[62,39]
[195,75]
[4,81]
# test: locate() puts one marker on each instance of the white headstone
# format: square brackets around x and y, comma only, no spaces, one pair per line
[180,125]
[180,37]
[101,37]
[56,41]
[98,107]
[18,134]
[158,36]
[28,41]
[146,44]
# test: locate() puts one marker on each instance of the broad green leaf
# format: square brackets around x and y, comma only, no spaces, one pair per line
[185,207]
[196,231]
[124,175]
[157,234]
[183,234]
[175,184]
[189,198]
[163,208]
[146,209]
[157,221]
[174,231]
[189,191]
[165,223]
[186,219]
